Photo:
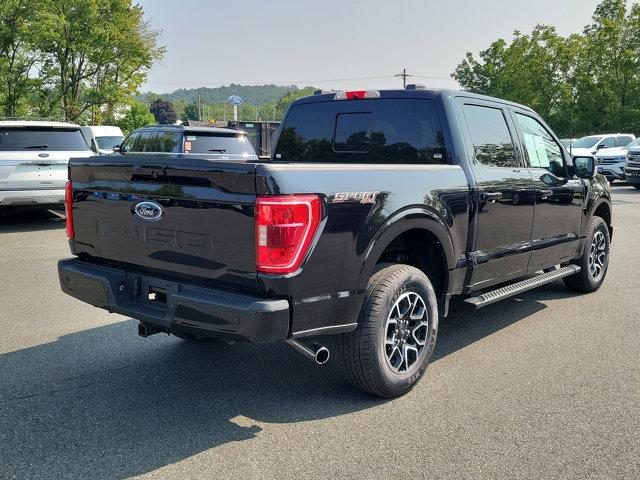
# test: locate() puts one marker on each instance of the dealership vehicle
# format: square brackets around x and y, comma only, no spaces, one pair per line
[567,142]
[214,142]
[102,138]
[612,162]
[33,161]
[375,209]
[611,144]
[632,168]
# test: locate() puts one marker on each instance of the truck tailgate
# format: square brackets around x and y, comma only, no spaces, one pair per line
[174,216]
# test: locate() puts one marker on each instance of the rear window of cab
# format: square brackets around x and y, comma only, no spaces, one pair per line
[396,131]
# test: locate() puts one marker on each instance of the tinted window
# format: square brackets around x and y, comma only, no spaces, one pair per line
[214,142]
[363,131]
[39,138]
[128,143]
[166,141]
[492,143]
[623,141]
[144,142]
[542,150]
[353,132]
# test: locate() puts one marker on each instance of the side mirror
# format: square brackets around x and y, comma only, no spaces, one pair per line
[601,146]
[584,167]
[117,149]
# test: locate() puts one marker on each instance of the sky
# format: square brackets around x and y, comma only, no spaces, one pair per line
[337,44]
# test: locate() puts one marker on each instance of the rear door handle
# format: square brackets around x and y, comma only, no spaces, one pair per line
[490,196]
[544,194]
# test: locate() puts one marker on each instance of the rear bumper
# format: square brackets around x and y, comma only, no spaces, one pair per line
[180,306]
[9,198]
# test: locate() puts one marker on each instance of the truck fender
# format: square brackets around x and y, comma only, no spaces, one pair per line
[408,219]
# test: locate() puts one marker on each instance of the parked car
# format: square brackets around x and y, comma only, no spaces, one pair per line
[632,168]
[599,144]
[612,162]
[376,208]
[33,161]
[567,142]
[102,138]
[223,143]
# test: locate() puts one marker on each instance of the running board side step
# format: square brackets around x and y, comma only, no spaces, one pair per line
[530,283]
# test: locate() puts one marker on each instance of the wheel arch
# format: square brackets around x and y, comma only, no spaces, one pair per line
[405,232]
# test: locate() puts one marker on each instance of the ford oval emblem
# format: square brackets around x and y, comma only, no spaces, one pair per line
[148,211]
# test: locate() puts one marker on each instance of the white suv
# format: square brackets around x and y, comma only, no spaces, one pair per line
[33,161]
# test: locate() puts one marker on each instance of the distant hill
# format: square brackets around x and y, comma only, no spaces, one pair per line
[255,94]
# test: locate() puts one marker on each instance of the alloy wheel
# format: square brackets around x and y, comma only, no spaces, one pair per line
[406,332]
[598,255]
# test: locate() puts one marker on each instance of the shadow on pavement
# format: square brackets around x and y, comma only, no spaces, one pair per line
[104,403]
[31,220]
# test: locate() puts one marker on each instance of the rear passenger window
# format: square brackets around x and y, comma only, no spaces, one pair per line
[492,142]
[166,141]
[391,131]
[623,141]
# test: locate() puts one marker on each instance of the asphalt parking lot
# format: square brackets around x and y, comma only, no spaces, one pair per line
[545,385]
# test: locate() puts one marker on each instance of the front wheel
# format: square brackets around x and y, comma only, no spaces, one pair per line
[397,328]
[594,260]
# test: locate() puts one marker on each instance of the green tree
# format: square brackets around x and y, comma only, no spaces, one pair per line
[138,115]
[608,70]
[96,51]
[190,112]
[584,83]
[19,32]
[283,102]
[163,111]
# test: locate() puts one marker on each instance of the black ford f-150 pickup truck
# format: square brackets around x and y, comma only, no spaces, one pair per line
[374,210]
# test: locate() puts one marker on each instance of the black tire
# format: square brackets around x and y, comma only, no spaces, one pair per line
[365,351]
[586,281]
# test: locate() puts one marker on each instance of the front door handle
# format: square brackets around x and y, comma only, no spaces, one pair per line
[544,194]
[490,196]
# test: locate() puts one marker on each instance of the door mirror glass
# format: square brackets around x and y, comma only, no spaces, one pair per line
[585,167]
[116,148]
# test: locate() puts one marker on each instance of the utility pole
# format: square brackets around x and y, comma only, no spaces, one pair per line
[199,110]
[404,76]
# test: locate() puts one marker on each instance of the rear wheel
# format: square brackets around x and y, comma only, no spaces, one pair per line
[390,350]
[594,261]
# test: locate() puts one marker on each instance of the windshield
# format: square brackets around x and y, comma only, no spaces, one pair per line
[634,144]
[586,142]
[42,138]
[107,143]
[225,144]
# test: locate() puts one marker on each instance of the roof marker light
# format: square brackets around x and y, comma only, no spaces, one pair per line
[357,95]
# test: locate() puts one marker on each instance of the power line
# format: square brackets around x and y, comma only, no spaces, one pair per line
[404,76]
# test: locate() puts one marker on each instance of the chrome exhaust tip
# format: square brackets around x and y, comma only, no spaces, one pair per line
[313,351]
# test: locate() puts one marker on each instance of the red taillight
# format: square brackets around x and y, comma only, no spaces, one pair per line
[68,209]
[357,95]
[285,227]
